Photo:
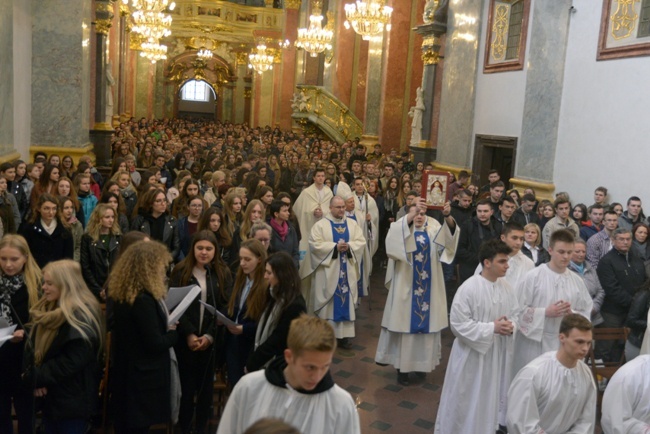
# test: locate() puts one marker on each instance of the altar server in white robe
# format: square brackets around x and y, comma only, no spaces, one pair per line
[336,246]
[548,293]
[518,264]
[296,388]
[626,403]
[416,307]
[474,393]
[309,208]
[645,346]
[555,393]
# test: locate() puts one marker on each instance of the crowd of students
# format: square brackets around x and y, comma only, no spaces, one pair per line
[211,204]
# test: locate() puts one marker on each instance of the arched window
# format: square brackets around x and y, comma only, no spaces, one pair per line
[196,90]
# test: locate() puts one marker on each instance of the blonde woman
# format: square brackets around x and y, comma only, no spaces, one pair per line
[99,247]
[254,213]
[532,245]
[127,189]
[142,339]
[20,280]
[67,333]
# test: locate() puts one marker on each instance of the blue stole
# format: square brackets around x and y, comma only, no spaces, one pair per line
[360,288]
[342,293]
[421,287]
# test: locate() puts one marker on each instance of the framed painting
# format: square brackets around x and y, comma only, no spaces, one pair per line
[507,32]
[624,29]
[435,188]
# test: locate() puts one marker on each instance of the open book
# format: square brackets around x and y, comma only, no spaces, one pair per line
[179,299]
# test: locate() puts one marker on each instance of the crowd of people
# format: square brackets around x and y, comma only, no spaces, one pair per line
[281,232]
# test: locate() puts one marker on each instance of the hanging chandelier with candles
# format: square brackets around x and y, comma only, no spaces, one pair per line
[259,60]
[151,23]
[368,18]
[315,39]
[153,51]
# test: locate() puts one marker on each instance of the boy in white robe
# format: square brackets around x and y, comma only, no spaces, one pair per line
[336,246]
[555,393]
[416,307]
[478,372]
[519,264]
[626,403]
[297,389]
[548,293]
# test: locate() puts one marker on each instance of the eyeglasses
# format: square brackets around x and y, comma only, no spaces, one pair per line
[160,201]
[194,205]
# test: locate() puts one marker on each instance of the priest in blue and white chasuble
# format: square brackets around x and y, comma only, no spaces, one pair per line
[334,275]
[416,307]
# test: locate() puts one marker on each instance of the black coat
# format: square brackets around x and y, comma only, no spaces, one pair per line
[70,372]
[472,234]
[11,354]
[620,277]
[542,256]
[97,259]
[47,248]
[276,343]
[18,191]
[637,319]
[520,217]
[170,233]
[141,377]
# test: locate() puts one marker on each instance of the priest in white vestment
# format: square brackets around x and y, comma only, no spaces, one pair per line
[556,393]
[547,294]
[626,404]
[474,393]
[336,246]
[297,388]
[309,208]
[416,307]
[518,263]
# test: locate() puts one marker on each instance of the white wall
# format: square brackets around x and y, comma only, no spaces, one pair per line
[604,132]
[499,96]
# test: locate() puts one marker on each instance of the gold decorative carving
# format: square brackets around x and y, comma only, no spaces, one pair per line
[430,57]
[248,93]
[124,10]
[333,117]
[292,4]
[268,3]
[242,58]
[499,29]
[104,7]
[198,69]
[624,19]
[207,28]
[103,26]
[430,41]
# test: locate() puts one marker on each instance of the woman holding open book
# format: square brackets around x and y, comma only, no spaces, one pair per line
[142,378]
[200,341]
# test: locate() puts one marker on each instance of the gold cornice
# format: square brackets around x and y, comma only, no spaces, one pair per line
[242,58]
[103,26]
[543,190]
[292,4]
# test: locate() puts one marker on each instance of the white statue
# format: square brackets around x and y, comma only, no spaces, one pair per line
[110,83]
[416,113]
[299,102]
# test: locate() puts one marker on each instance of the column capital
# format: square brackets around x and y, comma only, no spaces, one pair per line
[292,4]
[103,26]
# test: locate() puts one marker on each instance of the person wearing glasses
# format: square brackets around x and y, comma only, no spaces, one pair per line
[154,220]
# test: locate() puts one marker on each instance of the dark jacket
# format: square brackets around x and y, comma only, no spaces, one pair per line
[276,343]
[47,248]
[97,259]
[11,354]
[289,245]
[637,319]
[18,191]
[460,214]
[520,217]
[472,234]
[588,230]
[620,275]
[130,199]
[141,363]
[542,255]
[70,372]
[170,233]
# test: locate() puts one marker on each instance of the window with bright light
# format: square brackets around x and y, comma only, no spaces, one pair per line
[196,91]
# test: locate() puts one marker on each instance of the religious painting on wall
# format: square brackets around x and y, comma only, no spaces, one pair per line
[507,31]
[435,188]
[624,29]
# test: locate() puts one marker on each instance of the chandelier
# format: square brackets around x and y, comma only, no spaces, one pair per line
[153,51]
[315,39]
[151,5]
[260,61]
[152,25]
[368,17]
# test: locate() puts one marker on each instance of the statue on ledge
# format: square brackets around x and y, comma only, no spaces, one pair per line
[416,113]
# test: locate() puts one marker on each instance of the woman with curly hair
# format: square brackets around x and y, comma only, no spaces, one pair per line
[63,358]
[142,339]
[20,280]
[245,307]
[99,247]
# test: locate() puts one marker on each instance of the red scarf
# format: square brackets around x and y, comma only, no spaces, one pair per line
[281,229]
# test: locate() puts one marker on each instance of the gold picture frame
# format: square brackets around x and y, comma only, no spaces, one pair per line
[499,57]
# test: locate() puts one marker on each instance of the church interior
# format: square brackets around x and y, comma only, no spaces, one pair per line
[549,93]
